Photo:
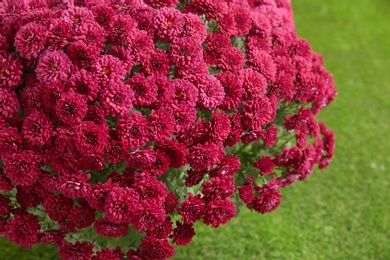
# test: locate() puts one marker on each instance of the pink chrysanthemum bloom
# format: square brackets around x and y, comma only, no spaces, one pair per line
[203,156]
[30,39]
[218,188]
[81,55]
[191,209]
[57,207]
[140,43]
[162,231]
[9,104]
[133,130]
[37,128]
[157,63]
[121,205]
[116,99]
[182,234]
[99,193]
[120,27]
[92,34]
[232,86]
[141,158]
[59,32]
[194,27]
[21,168]
[211,92]
[145,89]
[103,14]
[258,114]
[78,16]
[161,125]
[109,253]
[83,83]
[11,71]
[231,60]
[185,92]
[168,23]
[186,52]
[148,217]
[185,117]
[156,249]
[71,108]
[80,251]
[124,55]
[253,83]
[23,229]
[82,217]
[75,185]
[108,69]
[219,212]
[162,3]
[53,66]
[90,138]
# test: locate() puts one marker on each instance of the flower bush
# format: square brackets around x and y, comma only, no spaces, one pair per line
[124,122]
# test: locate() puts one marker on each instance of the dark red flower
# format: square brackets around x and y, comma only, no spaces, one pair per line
[53,66]
[121,204]
[81,217]
[192,209]
[106,228]
[37,128]
[81,251]
[219,212]
[265,165]
[161,125]
[22,168]
[156,249]
[90,138]
[71,108]
[9,103]
[133,130]
[23,229]
[182,234]
[170,203]
[109,254]
[57,206]
[162,231]
[11,71]
[204,156]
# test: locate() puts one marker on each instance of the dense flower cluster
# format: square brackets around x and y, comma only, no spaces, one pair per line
[136,119]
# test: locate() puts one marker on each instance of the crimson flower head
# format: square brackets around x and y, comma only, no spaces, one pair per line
[53,66]
[71,108]
[23,229]
[121,204]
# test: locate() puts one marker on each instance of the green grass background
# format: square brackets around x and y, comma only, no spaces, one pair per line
[344,211]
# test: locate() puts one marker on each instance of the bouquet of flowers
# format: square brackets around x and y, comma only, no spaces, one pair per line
[124,122]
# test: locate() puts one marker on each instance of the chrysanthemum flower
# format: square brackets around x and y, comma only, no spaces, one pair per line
[82,251]
[71,108]
[30,39]
[9,103]
[219,212]
[11,71]
[23,229]
[37,128]
[53,66]
[133,130]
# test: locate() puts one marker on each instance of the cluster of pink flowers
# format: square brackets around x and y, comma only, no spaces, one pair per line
[123,117]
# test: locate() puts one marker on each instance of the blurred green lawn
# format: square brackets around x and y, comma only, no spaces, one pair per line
[344,211]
